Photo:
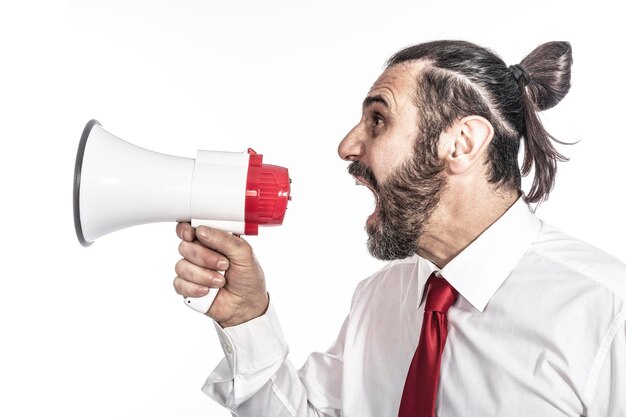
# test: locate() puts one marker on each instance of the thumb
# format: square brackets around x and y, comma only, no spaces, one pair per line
[232,246]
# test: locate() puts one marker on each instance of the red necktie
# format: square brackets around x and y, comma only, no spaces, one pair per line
[420,388]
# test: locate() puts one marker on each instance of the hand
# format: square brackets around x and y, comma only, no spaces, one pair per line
[206,251]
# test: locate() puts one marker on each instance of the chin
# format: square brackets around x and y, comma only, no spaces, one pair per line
[386,245]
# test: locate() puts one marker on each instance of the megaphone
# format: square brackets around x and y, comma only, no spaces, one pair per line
[118,185]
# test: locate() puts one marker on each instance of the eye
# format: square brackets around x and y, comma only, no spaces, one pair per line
[377,121]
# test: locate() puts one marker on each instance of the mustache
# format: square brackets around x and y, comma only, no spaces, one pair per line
[359,169]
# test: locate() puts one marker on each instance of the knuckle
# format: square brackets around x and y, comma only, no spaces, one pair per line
[207,258]
[246,249]
[242,246]
[180,267]
[177,285]
[187,249]
[190,251]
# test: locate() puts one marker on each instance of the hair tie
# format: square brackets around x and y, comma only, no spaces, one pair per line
[519,71]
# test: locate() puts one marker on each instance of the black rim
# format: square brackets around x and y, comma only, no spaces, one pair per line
[78,167]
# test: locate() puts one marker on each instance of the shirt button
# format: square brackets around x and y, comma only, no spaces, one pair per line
[227,348]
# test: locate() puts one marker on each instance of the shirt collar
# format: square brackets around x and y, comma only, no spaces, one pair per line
[481,268]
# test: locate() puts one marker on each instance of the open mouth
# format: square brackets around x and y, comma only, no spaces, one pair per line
[361,181]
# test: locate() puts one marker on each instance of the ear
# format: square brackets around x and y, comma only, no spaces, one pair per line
[465,143]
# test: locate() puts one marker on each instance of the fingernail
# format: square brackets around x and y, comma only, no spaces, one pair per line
[219,281]
[183,235]
[201,231]
[222,265]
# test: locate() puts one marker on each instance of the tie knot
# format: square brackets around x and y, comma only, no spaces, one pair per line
[441,295]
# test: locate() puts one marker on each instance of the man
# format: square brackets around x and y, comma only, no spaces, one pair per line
[534,322]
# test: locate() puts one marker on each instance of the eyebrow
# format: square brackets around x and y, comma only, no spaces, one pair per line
[369,100]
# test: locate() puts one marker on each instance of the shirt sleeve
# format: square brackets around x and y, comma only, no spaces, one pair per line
[608,395]
[256,378]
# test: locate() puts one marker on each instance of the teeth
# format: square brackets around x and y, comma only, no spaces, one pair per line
[357,182]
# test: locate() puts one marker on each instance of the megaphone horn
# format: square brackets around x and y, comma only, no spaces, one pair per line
[118,185]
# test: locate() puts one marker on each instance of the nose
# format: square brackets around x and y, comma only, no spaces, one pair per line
[352,148]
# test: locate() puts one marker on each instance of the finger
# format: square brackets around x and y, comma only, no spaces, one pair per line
[202,256]
[198,275]
[232,246]
[189,289]
[185,232]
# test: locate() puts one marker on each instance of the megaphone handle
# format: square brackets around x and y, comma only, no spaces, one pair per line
[202,304]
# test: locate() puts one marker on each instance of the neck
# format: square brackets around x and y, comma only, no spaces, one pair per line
[459,219]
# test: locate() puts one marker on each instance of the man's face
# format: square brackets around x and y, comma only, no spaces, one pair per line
[387,156]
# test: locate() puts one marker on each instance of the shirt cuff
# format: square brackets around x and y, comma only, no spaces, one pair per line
[254,345]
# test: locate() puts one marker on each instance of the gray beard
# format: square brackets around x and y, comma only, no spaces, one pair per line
[405,205]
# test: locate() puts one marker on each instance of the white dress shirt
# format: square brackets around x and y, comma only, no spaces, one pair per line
[538,330]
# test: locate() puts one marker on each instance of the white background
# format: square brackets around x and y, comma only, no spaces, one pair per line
[100,331]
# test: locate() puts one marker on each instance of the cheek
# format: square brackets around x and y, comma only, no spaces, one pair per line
[386,158]
[381,162]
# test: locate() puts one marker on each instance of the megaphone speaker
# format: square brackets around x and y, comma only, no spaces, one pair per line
[118,185]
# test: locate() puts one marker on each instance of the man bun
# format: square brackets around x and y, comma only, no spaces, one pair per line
[549,67]
[549,70]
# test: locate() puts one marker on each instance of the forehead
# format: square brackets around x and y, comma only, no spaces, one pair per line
[397,83]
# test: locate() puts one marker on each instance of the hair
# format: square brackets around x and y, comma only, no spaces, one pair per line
[461,79]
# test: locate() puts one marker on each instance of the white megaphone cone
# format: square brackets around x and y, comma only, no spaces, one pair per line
[118,185]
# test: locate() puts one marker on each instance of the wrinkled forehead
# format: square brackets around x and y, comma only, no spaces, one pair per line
[398,82]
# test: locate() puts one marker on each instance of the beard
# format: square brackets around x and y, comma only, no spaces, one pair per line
[405,203]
